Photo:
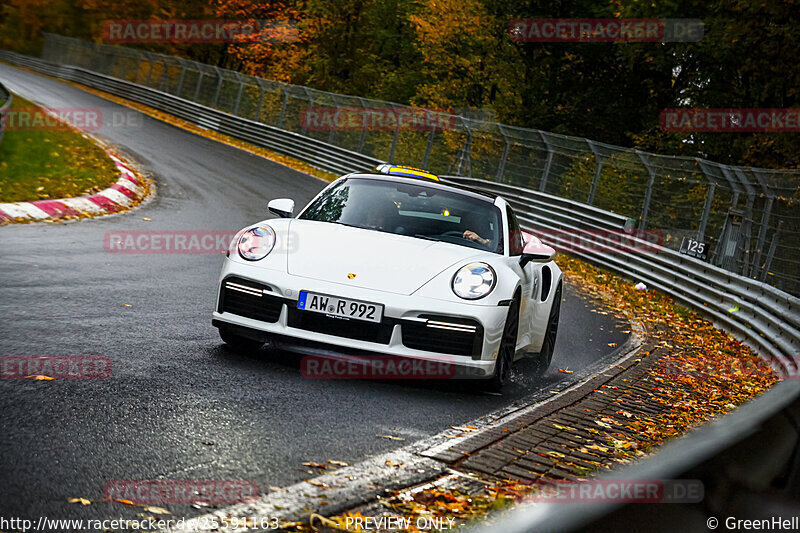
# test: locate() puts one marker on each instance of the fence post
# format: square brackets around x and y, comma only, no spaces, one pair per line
[283,106]
[150,70]
[547,163]
[701,231]
[429,144]
[394,139]
[164,75]
[771,254]
[363,138]
[596,178]
[310,97]
[502,167]
[197,87]
[747,233]
[765,215]
[466,151]
[648,194]
[181,77]
[239,93]
[219,87]
[332,133]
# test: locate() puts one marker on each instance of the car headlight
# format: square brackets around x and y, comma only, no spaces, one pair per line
[474,281]
[256,243]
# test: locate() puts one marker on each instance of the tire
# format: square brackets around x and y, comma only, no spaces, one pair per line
[545,356]
[239,343]
[507,350]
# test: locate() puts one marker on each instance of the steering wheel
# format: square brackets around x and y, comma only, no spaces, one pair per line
[454,233]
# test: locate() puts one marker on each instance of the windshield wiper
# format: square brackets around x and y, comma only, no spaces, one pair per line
[426,237]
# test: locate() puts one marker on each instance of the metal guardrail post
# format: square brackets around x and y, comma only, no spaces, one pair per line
[596,178]
[548,162]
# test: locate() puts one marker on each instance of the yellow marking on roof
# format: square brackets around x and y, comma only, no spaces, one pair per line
[411,171]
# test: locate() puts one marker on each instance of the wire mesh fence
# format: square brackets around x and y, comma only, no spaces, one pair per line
[748,218]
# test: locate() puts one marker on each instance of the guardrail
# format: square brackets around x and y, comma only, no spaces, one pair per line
[744,216]
[767,318]
[6,99]
[317,153]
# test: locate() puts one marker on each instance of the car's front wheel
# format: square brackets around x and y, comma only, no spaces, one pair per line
[507,350]
[238,342]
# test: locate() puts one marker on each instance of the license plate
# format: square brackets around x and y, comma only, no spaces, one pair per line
[340,307]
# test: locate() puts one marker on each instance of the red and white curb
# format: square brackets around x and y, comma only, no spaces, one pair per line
[128,191]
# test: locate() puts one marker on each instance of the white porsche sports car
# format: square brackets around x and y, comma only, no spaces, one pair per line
[394,263]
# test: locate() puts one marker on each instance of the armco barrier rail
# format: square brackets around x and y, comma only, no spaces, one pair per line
[747,217]
[767,318]
[764,316]
[5,104]
[317,153]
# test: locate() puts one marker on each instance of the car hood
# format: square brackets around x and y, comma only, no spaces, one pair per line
[366,258]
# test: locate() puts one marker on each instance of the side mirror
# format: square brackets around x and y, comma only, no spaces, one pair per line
[535,251]
[283,207]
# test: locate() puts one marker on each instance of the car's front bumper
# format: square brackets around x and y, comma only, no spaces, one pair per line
[404,323]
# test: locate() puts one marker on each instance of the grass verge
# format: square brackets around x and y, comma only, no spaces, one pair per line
[52,163]
[188,126]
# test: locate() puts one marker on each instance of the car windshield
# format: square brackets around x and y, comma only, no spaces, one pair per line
[410,209]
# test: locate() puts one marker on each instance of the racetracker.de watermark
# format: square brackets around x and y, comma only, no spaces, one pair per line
[376,119]
[149,492]
[55,367]
[66,118]
[199,31]
[182,242]
[731,120]
[617,491]
[375,367]
[168,241]
[604,241]
[558,30]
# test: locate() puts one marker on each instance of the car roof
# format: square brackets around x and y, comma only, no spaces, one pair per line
[488,197]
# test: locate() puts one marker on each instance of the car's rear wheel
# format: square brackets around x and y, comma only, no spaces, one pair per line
[507,350]
[545,356]
[238,342]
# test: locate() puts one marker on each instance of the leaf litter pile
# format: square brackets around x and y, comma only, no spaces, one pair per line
[687,373]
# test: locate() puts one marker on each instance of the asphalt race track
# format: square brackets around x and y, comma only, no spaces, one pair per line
[180,406]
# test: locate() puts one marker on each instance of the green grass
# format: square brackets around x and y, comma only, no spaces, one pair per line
[50,164]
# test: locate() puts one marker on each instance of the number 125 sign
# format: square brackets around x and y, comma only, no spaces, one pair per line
[694,248]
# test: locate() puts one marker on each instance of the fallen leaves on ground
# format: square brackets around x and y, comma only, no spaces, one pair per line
[694,373]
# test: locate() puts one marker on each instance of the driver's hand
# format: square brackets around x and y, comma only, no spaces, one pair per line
[472,236]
